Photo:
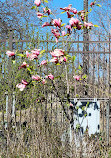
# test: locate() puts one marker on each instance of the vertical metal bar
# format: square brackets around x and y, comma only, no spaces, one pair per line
[13,106]
[103,66]
[107,123]
[98,68]
[6,93]
[93,74]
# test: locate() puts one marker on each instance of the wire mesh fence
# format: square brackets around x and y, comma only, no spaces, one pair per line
[38,113]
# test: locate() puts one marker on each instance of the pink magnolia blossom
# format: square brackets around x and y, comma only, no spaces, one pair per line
[36,51]
[24,65]
[46,24]
[79,27]
[37,77]
[56,40]
[46,77]
[43,62]
[92,4]
[82,18]
[68,29]
[48,11]
[68,14]
[37,2]
[67,8]
[39,15]
[61,60]
[63,33]
[65,59]
[57,22]
[21,86]
[82,14]
[25,82]
[56,33]
[57,53]
[77,77]
[32,56]
[73,22]
[88,25]
[10,54]
[71,105]
[43,81]
[50,76]
[54,60]
[74,11]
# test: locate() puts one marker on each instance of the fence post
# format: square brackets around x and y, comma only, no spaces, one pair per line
[85,38]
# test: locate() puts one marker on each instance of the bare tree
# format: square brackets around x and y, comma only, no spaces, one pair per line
[102,17]
[16,14]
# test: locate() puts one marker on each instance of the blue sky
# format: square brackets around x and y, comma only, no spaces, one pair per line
[78,4]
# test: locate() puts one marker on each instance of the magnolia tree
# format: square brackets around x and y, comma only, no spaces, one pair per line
[60,57]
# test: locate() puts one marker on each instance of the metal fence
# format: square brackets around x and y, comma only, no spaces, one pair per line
[96,84]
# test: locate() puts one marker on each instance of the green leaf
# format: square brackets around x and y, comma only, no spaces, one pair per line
[79,67]
[78,126]
[87,104]
[43,16]
[83,108]
[46,1]
[73,58]
[62,75]
[28,69]
[42,51]
[63,24]
[96,26]
[84,76]
[21,55]
[77,107]
[13,61]
[77,96]
[68,56]
[58,64]
[68,105]
[90,9]
[33,7]
[62,12]
[98,5]
[85,115]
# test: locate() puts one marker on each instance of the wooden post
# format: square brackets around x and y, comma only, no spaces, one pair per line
[85,38]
